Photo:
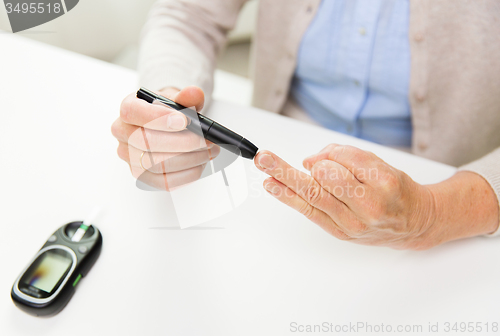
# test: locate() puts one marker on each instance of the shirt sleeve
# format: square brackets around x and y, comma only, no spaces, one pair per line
[181,41]
[489,168]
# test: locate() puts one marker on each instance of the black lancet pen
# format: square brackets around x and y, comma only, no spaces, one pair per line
[210,129]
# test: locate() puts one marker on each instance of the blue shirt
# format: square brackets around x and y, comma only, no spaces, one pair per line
[353,69]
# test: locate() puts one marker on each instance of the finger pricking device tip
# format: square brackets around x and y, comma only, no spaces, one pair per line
[49,281]
[205,127]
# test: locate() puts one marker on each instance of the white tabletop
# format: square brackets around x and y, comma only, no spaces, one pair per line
[265,269]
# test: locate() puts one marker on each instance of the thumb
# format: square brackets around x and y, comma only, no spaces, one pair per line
[189,96]
[310,161]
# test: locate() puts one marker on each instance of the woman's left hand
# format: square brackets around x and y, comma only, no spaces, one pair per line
[356,196]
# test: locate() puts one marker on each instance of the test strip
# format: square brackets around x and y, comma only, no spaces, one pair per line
[80,232]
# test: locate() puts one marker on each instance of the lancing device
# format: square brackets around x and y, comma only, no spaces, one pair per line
[210,129]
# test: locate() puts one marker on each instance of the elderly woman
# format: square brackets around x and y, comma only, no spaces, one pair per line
[419,75]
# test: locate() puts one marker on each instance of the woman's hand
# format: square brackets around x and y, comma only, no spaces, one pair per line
[356,196]
[154,141]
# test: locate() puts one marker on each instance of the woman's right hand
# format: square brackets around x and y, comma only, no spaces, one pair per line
[154,141]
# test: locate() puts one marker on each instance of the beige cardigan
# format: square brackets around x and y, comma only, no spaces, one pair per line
[455,70]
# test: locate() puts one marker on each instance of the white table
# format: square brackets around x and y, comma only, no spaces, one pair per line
[268,266]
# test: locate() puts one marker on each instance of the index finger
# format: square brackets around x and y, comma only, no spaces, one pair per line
[135,111]
[302,184]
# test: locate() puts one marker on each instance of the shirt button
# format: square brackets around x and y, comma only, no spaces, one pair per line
[362,31]
[357,83]
[349,129]
[419,37]
[309,9]
[278,92]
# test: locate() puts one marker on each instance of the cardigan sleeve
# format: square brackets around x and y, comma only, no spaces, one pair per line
[489,168]
[181,41]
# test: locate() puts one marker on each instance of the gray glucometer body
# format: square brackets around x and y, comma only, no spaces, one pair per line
[47,284]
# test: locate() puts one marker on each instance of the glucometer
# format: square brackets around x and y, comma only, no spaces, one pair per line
[48,282]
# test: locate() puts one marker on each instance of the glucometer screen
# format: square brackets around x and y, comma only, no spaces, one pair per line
[49,268]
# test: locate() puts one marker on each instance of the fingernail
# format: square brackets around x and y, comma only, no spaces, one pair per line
[266,161]
[272,188]
[176,122]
